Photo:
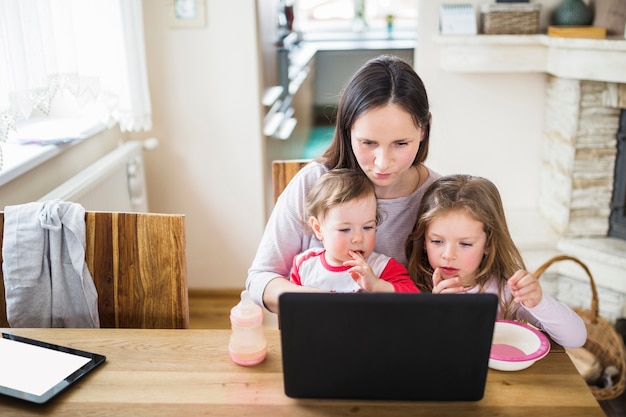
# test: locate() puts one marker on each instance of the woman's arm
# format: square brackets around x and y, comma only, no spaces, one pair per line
[284,237]
[279,285]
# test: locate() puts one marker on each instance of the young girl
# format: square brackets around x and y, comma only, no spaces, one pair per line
[382,131]
[344,216]
[461,244]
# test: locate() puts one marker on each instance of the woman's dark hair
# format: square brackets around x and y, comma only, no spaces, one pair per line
[380,81]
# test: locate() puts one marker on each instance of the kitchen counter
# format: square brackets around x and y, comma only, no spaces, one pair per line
[309,46]
[305,50]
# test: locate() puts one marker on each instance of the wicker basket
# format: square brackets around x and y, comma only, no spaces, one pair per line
[509,18]
[602,338]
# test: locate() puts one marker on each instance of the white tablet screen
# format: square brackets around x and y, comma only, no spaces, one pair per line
[36,371]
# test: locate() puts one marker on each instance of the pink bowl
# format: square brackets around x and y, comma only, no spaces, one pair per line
[516,346]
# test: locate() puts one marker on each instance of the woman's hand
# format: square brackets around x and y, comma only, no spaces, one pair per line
[279,285]
[525,288]
[450,285]
[363,275]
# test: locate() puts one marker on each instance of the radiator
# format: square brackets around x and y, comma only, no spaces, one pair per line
[116,182]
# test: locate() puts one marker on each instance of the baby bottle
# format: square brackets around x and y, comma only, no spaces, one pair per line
[247,344]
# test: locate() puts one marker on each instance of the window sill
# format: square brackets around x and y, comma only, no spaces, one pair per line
[21,158]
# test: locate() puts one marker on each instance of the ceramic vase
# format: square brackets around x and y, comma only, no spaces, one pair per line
[572,13]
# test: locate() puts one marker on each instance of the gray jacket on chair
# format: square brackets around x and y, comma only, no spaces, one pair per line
[47,282]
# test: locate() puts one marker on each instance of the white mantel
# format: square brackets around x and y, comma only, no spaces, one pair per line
[573,58]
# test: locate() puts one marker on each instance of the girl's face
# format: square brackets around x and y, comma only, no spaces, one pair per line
[350,226]
[456,243]
[385,142]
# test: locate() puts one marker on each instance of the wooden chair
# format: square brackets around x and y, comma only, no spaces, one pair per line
[139,267]
[283,171]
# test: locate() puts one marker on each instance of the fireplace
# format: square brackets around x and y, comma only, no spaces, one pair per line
[617,219]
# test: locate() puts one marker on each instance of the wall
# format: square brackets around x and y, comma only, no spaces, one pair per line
[205,90]
[489,125]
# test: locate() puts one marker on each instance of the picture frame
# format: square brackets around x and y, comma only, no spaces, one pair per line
[186,13]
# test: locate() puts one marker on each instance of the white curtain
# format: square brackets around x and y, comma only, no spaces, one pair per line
[92,50]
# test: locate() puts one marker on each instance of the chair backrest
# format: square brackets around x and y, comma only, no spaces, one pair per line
[139,267]
[283,171]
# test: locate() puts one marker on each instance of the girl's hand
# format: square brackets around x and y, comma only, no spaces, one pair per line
[450,285]
[363,274]
[525,288]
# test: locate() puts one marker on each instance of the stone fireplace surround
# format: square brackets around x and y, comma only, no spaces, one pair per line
[585,90]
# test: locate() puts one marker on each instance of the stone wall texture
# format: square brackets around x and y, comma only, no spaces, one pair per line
[579,155]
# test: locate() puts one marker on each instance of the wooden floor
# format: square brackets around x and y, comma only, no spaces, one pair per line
[210,309]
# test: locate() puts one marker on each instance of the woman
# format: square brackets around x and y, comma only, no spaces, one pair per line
[382,130]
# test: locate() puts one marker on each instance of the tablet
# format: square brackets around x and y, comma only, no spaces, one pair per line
[36,371]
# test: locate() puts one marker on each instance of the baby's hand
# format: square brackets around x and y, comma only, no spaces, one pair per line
[361,272]
[525,288]
[450,285]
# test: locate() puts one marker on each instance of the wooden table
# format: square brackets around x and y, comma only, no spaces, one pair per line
[189,373]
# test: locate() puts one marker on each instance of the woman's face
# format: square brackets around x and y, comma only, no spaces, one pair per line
[385,142]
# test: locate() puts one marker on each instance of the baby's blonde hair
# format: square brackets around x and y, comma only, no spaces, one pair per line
[336,187]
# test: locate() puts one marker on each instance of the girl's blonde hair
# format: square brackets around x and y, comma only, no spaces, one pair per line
[479,199]
[335,187]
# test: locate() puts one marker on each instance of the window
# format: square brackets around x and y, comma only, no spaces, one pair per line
[91,51]
[343,15]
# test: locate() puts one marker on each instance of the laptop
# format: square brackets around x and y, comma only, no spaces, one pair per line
[386,346]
